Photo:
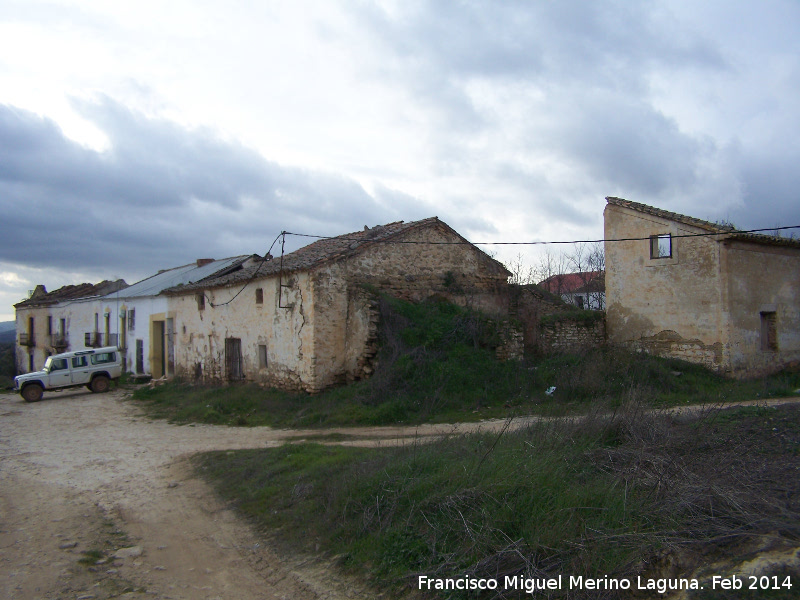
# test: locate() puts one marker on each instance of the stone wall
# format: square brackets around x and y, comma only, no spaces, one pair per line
[572,335]
[528,305]
[424,263]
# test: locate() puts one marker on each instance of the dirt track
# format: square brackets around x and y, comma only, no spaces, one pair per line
[82,472]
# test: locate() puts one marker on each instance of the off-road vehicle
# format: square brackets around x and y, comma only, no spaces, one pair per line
[92,367]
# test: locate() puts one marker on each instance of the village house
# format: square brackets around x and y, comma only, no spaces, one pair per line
[307,320]
[142,324]
[64,319]
[586,289]
[111,313]
[699,291]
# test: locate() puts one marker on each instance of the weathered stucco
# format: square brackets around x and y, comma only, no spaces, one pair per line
[325,329]
[703,304]
[285,330]
[762,279]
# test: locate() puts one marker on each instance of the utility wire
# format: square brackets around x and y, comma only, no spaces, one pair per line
[283,235]
[633,239]
[265,258]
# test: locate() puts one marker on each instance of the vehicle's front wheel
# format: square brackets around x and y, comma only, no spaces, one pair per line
[100,384]
[32,392]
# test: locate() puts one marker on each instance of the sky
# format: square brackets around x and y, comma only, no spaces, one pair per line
[142,135]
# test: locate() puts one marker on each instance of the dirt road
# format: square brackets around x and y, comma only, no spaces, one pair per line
[83,473]
[84,477]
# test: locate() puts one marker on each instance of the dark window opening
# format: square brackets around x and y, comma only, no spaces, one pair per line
[769,331]
[201,301]
[661,246]
[259,296]
[140,356]
[262,356]
[233,359]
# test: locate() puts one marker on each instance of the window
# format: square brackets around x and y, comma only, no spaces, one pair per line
[769,331]
[259,296]
[56,364]
[262,356]
[201,301]
[104,357]
[49,325]
[131,319]
[79,361]
[661,246]
[62,327]
[140,356]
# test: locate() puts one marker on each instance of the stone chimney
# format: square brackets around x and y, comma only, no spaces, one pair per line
[201,262]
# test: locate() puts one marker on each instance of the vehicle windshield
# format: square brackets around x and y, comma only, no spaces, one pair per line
[55,364]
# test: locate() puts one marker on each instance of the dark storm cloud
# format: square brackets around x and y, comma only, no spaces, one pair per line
[589,70]
[159,196]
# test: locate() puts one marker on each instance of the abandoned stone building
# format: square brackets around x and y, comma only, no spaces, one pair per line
[699,291]
[307,321]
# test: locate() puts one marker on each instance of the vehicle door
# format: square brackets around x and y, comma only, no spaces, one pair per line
[80,370]
[58,372]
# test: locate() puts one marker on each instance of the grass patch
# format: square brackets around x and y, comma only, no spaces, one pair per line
[621,496]
[91,557]
[437,363]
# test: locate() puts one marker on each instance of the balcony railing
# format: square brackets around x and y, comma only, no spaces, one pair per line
[26,340]
[59,340]
[95,339]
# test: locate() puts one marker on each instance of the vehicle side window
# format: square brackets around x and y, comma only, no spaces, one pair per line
[103,358]
[79,361]
[58,364]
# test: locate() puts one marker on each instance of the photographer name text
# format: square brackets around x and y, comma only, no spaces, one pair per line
[532,585]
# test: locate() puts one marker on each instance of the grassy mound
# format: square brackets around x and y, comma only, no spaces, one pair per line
[633,494]
[437,363]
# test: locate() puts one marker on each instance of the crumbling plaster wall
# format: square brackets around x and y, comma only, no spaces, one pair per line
[345,327]
[668,306]
[762,279]
[285,330]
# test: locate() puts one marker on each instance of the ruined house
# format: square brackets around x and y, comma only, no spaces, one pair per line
[699,291]
[307,320]
[64,319]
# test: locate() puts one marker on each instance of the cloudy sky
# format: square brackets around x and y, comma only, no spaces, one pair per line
[140,135]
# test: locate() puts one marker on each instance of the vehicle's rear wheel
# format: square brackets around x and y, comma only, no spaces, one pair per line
[100,384]
[32,392]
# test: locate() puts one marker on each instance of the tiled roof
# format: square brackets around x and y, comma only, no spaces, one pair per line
[570,283]
[324,251]
[729,231]
[72,292]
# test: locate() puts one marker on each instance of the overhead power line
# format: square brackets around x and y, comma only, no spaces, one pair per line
[631,239]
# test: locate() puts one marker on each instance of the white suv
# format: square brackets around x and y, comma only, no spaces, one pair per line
[94,368]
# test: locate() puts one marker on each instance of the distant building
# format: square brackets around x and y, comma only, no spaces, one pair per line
[586,290]
[706,293]
[52,322]
[143,324]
